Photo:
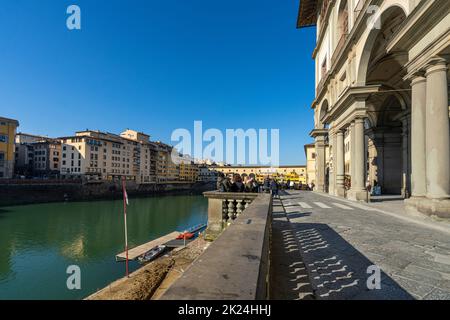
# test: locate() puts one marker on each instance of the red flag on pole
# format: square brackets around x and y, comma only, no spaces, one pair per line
[125,203]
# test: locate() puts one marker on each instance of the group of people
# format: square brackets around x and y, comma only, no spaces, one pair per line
[235,183]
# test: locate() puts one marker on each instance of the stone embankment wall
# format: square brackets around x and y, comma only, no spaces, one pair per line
[29,193]
[236,265]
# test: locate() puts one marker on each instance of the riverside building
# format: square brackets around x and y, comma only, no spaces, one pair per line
[8,129]
[106,156]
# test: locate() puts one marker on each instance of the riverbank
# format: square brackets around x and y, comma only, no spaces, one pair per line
[152,280]
[45,192]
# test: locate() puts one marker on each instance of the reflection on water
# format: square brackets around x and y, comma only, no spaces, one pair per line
[39,242]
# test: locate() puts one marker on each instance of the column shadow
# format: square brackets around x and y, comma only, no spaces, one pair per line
[337,270]
[288,276]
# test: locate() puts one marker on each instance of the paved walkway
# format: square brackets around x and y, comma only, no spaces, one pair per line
[323,247]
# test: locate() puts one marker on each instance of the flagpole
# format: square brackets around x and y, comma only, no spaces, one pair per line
[125,224]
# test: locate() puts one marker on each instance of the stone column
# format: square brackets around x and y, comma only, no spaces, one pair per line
[332,182]
[418,152]
[437,132]
[340,163]
[352,152]
[405,158]
[319,136]
[320,164]
[358,190]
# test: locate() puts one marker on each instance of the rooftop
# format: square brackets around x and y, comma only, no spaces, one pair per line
[307,14]
[9,120]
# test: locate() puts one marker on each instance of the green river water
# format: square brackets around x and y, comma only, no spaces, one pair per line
[38,242]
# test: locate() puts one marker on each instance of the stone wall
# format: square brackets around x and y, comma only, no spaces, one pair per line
[236,265]
[28,193]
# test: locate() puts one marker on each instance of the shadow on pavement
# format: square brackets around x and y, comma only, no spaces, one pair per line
[336,269]
[288,276]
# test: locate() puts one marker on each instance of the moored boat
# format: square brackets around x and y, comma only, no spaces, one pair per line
[191,232]
[151,254]
[185,235]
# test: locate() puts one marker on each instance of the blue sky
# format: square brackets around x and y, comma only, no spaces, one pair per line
[158,65]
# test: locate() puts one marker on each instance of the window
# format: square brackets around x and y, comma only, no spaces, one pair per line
[4,138]
[324,68]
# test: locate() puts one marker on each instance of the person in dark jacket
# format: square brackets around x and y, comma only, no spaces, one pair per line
[237,185]
[274,188]
[250,184]
[224,185]
[219,184]
[266,185]
[255,185]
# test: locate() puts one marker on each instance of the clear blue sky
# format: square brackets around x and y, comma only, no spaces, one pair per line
[158,65]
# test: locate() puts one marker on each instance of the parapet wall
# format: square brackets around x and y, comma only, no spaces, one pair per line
[236,265]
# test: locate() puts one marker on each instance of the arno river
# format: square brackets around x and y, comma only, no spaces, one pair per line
[38,242]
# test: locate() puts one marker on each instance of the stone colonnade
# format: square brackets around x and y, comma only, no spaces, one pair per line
[429,153]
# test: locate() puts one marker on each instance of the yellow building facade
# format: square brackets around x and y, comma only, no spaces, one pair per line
[188,171]
[294,173]
[8,129]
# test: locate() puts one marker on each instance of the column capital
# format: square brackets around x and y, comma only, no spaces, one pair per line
[436,64]
[359,120]
[418,77]
[318,133]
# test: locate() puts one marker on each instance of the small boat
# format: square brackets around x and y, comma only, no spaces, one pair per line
[185,235]
[191,232]
[151,254]
[198,227]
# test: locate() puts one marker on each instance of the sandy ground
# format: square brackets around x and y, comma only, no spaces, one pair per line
[153,279]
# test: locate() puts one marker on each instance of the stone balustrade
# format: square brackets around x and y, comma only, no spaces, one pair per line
[236,265]
[224,208]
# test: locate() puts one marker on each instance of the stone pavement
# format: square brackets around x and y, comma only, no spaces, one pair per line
[323,246]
